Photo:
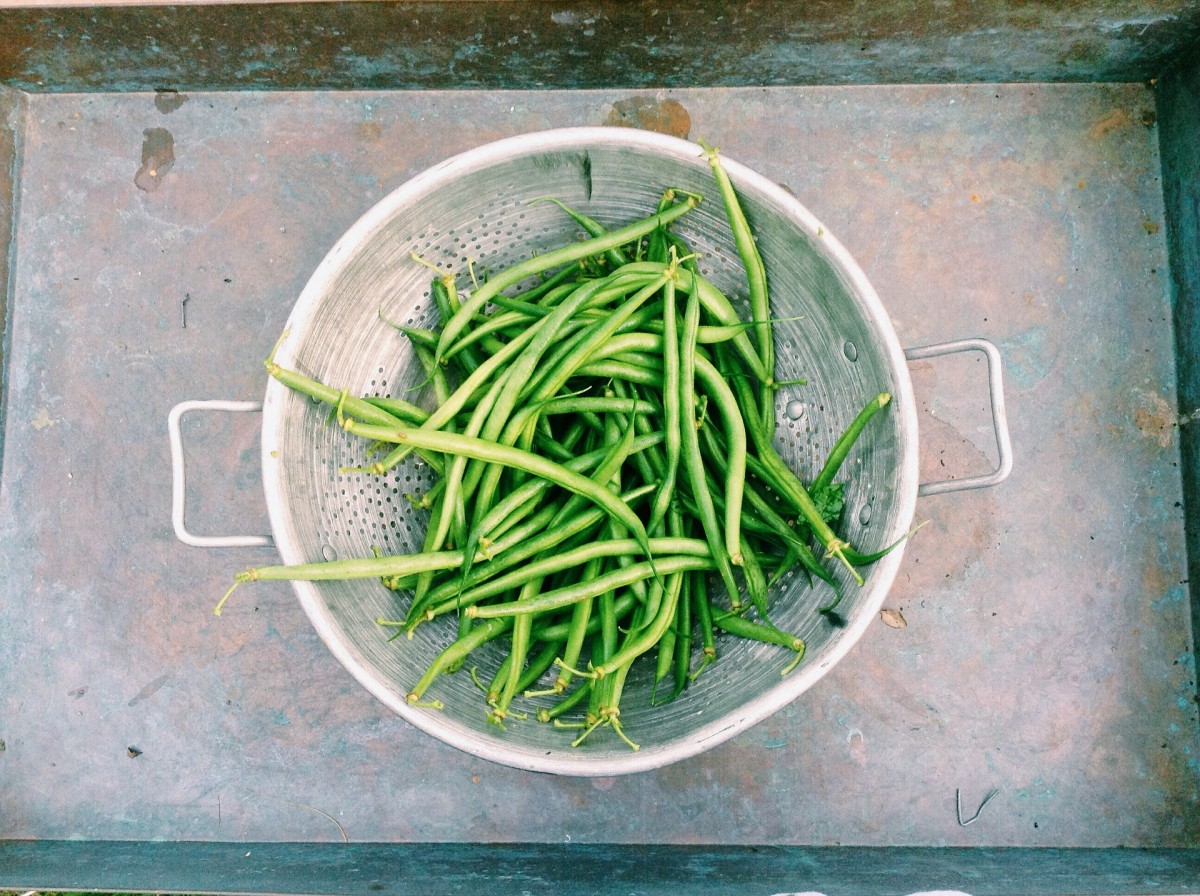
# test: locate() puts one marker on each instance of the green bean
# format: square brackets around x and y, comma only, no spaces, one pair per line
[456,652]
[618,578]
[403,411]
[846,441]
[615,255]
[454,443]
[683,637]
[448,409]
[647,637]
[756,580]
[610,547]
[788,484]
[703,611]
[657,245]
[693,461]
[768,634]
[581,614]
[671,399]
[756,278]
[664,659]
[521,628]
[552,259]
[565,705]
[622,607]
[538,665]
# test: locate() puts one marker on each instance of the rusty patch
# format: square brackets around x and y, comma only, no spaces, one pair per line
[158,155]
[1156,419]
[1114,120]
[167,100]
[370,130]
[649,114]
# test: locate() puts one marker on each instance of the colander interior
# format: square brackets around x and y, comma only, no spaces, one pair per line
[474,212]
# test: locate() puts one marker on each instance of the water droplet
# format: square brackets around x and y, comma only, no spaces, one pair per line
[864,515]
[328,552]
[794,409]
[850,350]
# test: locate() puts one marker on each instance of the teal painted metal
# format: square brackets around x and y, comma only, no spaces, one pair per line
[584,44]
[447,869]
[1179,129]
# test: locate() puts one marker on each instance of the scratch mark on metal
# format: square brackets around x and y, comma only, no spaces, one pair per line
[958,806]
[341,830]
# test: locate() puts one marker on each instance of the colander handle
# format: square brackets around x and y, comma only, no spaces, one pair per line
[178,489]
[999,414]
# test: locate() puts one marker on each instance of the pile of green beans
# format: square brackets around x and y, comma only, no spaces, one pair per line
[607,483]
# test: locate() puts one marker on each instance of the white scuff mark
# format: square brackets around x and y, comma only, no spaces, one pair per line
[1147,22]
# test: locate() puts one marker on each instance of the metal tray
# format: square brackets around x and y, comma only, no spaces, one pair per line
[1032,724]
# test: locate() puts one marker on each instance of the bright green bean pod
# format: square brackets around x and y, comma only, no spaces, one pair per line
[562,560]
[616,257]
[521,628]
[552,259]
[766,633]
[455,653]
[565,597]
[693,460]
[846,441]
[455,443]
[647,637]
[756,279]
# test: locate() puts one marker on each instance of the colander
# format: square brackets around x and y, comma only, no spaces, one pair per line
[473,213]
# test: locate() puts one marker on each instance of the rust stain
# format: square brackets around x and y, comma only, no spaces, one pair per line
[370,130]
[1156,419]
[167,100]
[158,155]
[1113,120]
[649,114]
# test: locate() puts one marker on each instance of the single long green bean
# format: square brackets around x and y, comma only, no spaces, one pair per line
[845,442]
[671,406]
[615,255]
[557,562]
[693,460]
[756,279]
[618,578]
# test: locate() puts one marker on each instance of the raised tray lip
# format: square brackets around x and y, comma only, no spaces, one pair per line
[572,762]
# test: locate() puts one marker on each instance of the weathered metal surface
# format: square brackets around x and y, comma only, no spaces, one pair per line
[586,44]
[10,116]
[367,869]
[1179,109]
[1046,649]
